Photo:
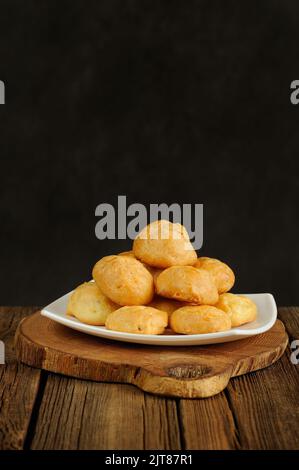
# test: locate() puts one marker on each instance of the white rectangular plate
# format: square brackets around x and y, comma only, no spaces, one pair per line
[267,314]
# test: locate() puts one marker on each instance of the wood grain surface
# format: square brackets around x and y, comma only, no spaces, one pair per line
[49,411]
[189,372]
[18,384]
[119,417]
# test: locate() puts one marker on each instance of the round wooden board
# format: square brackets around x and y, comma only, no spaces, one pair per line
[190,372]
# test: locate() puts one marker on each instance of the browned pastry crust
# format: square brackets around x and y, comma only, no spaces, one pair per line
[221,272]
[241,309]
[199,319]
[138,319]
[187,284]
[88,304]
[124,280]
[162,244]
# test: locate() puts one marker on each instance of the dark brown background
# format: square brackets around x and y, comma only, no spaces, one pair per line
[160,101]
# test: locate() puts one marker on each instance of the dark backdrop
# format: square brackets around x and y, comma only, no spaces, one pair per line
[183,101]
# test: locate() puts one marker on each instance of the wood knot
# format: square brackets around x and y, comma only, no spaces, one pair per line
[188,371]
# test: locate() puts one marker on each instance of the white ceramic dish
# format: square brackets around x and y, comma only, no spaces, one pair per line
[267,313]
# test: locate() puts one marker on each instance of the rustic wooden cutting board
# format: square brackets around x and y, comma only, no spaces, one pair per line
[190,372]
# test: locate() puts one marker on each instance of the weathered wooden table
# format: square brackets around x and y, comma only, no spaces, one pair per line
[40,410]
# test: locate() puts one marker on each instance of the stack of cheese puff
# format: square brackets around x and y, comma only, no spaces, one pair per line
[160,284]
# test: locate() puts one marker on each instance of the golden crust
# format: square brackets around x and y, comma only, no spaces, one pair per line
[187,284]
[154,271]
[199,319]
[162,244]
[127,253]
[221,272]
[166,305]
[124,280]
[138,319]
[240,309]
[90,305]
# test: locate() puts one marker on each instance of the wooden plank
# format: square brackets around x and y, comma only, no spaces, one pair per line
[18,384]
[266,407]
[257,411]
[77,414]
[265,404]
[208,424]
[290,318]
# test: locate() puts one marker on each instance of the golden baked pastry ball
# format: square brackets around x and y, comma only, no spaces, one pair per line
[154,271]
[222,274]
[187,284]
[124,280]
[240,309]
[162,244]
[167,305]
[90,305]
[199,319]
[138,319]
